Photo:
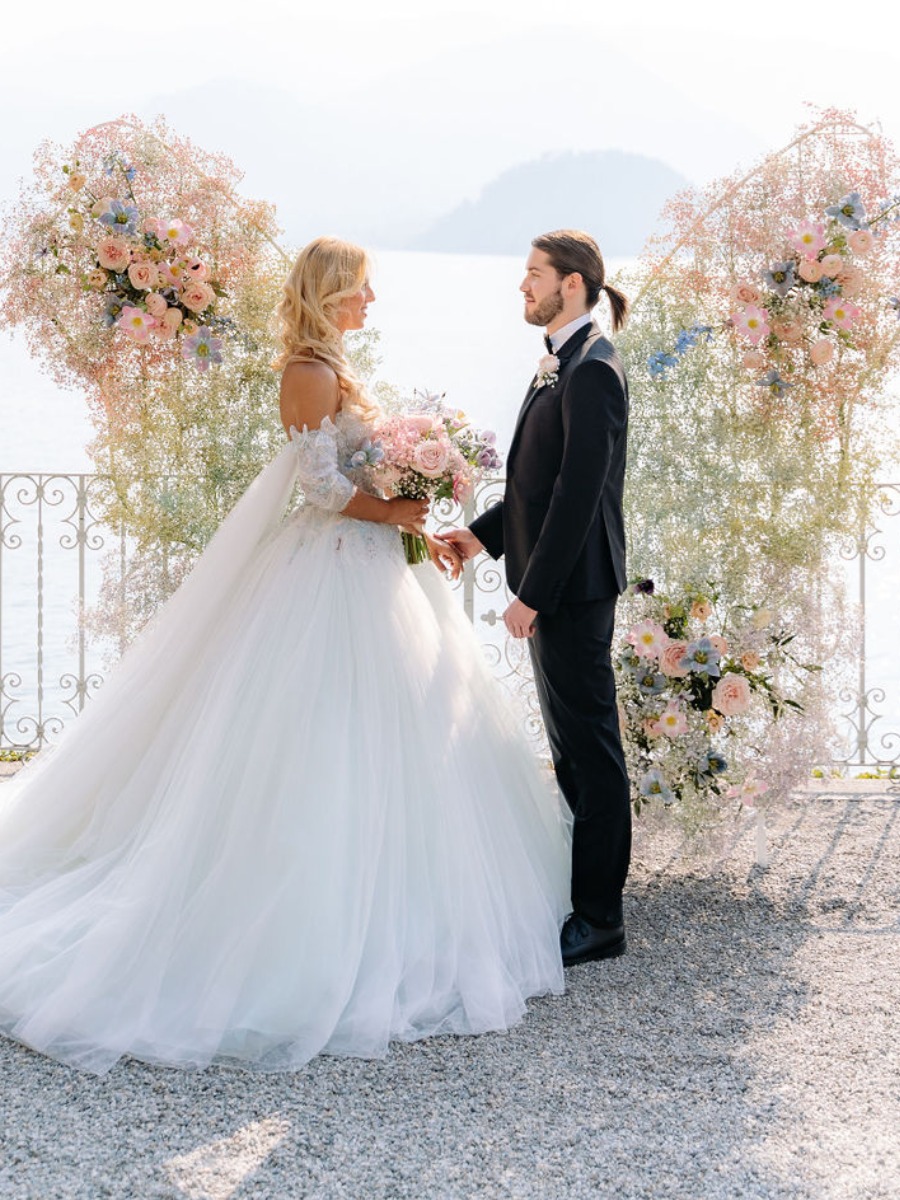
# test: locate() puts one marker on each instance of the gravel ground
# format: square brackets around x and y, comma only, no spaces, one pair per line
[747,1046]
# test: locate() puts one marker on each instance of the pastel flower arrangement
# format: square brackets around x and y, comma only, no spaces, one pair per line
[800,311]
[429,451]
[696,695]
[547,374]
[153,282]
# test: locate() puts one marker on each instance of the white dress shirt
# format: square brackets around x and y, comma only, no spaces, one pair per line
[562,335]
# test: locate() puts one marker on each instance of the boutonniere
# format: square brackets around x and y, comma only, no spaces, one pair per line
[548,371]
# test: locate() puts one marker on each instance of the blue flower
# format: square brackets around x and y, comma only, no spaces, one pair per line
[658,362]
[122,218]
[848,211]
[368,454]
[827,287]
[894,302]
[653,784]
[773,381]
[649,682]
[780,277]
[702,658]
[114,306]
[629,661]
[130,173]
[712,763]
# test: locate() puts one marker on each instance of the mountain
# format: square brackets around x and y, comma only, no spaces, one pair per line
[614,195]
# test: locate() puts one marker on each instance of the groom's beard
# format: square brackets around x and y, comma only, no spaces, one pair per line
[549,307]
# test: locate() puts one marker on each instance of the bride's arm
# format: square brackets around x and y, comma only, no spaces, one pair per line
[310,394]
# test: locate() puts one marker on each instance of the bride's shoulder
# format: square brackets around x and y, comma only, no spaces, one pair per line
[310,392]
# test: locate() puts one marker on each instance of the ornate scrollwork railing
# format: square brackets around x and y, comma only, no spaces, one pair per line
[52,543]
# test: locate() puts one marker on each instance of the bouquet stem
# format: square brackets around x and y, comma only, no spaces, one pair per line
[416,548]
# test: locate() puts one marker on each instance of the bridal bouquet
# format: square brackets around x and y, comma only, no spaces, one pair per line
[150,282]
[432,452]
[698,696]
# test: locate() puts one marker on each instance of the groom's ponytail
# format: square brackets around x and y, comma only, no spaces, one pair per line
[571,251]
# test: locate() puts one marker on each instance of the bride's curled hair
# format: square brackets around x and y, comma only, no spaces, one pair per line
[327,272]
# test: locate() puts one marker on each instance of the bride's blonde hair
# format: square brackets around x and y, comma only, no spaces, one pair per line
[327,272]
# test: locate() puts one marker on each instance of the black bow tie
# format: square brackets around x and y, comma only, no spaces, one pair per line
[548,343]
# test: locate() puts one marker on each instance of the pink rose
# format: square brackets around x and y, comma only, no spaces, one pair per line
[720,644]
[821,352]
[156,304]
[789,331]
[861,241]
[670,660]
[197,269]
[731,695]
[714,720]
[197,296]
[810,270]
[750,660]
[831,264]
[76,181]
[701,610]
[113,254]
[430,459]
[96,279]
[745,293]
[420,423]
[101,206]
[151,225]
[143,276]
[753,360]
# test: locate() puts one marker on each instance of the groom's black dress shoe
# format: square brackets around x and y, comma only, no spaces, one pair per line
[582,942]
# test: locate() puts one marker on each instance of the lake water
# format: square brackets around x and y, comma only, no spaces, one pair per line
[449,323]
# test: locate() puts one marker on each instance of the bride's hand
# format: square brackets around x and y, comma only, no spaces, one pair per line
[445,556]
[408,514]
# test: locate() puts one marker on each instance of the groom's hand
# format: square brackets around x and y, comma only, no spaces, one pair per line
[519,619]
[463,541]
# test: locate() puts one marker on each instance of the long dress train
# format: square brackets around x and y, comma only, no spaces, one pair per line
[298,818]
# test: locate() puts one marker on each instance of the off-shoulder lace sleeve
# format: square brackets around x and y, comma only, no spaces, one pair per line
[317,455]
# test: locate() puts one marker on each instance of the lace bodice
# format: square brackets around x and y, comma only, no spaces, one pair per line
[331,464]
[325,472]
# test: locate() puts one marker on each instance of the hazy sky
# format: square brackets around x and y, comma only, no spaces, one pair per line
[738,73]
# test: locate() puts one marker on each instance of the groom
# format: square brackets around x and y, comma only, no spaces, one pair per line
[561,529]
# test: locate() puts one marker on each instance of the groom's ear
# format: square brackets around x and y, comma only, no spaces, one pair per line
[574,283]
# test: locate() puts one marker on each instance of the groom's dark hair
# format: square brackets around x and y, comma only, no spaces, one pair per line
[570,251]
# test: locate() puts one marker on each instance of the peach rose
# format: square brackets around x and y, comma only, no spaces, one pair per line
[173,317]
[810,270]
[151,225]
[720,644]
[190,327]
[861,241]
[731,695]
[745,293]
[143,276]
[670,660]
[821,352]
[753,360]
[714,720]
[156,304]
[113,254]
[76,222]
[701,610]
[101,206]
[831,264]
[650,728]
[197,296]
[96,279]
[164,331]
[76,181]
[750,660]
[789,331]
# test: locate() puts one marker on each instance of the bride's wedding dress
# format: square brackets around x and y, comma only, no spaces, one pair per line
[298,818]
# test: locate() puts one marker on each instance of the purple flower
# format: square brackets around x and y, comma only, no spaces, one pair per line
[121,218]
[849,211]
[202,348]
[644,587]
[773,381]
[780,277]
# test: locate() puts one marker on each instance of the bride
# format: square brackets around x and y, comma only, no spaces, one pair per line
[299,818]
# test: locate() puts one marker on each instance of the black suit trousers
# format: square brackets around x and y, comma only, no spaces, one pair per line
[570,653]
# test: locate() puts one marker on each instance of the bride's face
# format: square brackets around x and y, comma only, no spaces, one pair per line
[352,313]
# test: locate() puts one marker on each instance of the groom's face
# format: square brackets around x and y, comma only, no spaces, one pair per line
[542,289]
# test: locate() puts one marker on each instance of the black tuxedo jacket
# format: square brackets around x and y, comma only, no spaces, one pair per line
[560,524]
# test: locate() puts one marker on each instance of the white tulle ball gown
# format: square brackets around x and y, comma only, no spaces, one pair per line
[299,818]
